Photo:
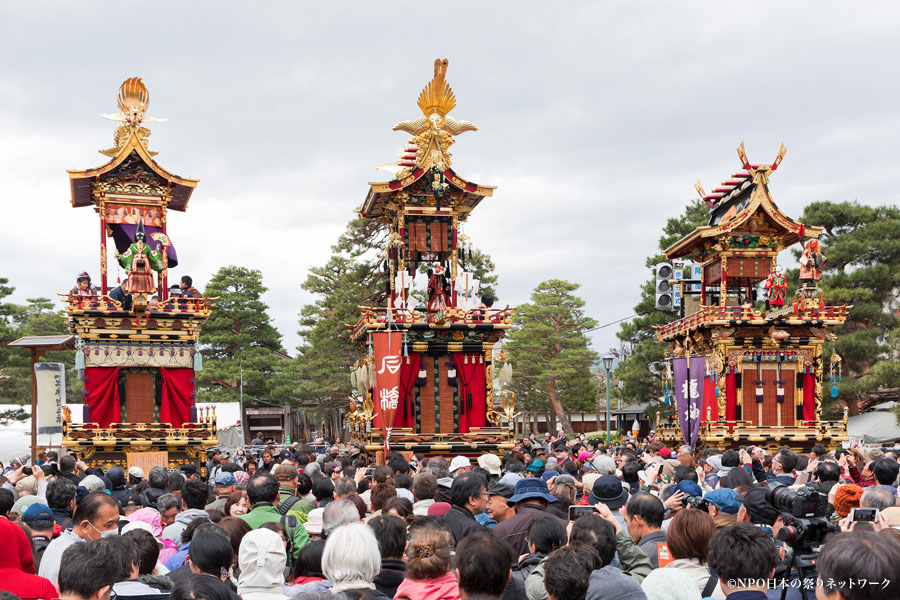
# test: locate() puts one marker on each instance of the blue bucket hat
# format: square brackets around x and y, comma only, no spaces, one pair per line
[548,474]
[225,479]
[725,500]
[531,487]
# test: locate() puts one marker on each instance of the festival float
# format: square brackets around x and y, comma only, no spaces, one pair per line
[136,346]
[426,384]
[738,375]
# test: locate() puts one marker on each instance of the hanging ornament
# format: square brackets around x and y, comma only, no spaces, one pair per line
[760,390]
[779,387]
[198,361]
[451,373]
[422,379]
[835,372]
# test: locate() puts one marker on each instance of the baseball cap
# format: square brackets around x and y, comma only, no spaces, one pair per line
[501,489]
[23,503]
[665,453]
[688,488]
[37,511]
[490,463]
[510,479]
[459,462]
[725,500]
[760,511]
[136,471]
[314,521]
[225,479]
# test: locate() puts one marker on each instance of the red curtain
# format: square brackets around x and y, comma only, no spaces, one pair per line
[101,394]
[809,397]
[472,391]
[731,399]
[709,400]
[177,396]
[405,415]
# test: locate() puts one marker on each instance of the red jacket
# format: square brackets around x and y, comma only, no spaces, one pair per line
[17,565]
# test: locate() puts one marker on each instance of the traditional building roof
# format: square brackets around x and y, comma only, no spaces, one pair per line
[427,152]
[742,210]
[131,170]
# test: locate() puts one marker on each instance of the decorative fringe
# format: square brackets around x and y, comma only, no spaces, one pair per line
[451,373]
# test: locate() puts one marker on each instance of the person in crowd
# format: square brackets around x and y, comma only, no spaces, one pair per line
[460,465]
[119,484]
[119,294]
[39,518]
[398,507]
[569,572]
[381,493]
[687,540]
[262,492]
[187,288]
[863,556]
[236,530]
[344,487]
[352,561]
[237,504]
[307,572]
[643,519]
[338,514]
[878,496]
[603,532]
[211,554]
[846,498]
[201,587]
[428,575]
[157,481]
[669,584]
[723,506]
[135,477]
[391,535]
[483,565]
[262,560]
[424,491]
[544,536]
[194,496]
[168,506]
[17,572]
[96,516]
[498,507]
[468,497]
[743,557]
[223,484]
[531,498]
[128,557]
[438,467]
[323,490]
[88,572]
[885,471]
[61,500]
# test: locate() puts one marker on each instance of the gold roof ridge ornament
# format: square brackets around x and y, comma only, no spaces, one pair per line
[132,101]
[436,101]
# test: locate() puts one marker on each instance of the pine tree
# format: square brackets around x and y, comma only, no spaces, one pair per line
[639,382]
[239,336]
[862,246]
[551,353]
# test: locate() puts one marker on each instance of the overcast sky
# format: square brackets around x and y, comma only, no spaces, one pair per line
[595,119]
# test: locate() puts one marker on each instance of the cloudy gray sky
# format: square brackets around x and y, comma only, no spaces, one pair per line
[595,120]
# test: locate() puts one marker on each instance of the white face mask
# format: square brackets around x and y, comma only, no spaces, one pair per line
[106,533]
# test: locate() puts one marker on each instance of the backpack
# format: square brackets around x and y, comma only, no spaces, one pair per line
[290,524]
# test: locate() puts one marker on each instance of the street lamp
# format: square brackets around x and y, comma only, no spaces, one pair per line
[607,365]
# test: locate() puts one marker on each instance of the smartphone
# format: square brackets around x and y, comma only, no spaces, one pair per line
[370,471]
[576,512]
[803,477]
[863,514]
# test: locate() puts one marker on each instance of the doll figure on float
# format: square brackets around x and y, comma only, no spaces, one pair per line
[812,261]
[776,288]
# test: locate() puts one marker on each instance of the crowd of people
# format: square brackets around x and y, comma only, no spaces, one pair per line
[554,519]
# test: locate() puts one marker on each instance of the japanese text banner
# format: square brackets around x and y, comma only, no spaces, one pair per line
[388,349]
[689,379]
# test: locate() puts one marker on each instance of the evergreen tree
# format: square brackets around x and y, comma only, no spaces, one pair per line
[239,336]
[636,371]
[862,246]
[551,353]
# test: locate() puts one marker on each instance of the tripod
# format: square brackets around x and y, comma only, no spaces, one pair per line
[804,560]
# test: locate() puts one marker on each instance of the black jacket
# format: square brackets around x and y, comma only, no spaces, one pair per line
[461,523]
[520,572]
[390,577]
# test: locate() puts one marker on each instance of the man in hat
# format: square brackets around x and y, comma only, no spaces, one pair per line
[490,463]
[498,509]
[531,499]
[223,484]
[460,465]
[723,506]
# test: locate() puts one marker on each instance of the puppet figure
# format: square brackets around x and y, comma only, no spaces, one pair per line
[138,261]
[438,291]
[776,285]
[812,261]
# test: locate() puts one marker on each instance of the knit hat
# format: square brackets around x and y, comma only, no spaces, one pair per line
[847,497]
[314,521]
[241,478]
[670,584]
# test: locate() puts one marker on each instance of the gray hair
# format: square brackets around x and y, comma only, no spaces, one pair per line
[313,469]
[337,514]
[877,497]
[167,501]
[438,467]
[344,487]
[351,554]
[158,478]
[92,483]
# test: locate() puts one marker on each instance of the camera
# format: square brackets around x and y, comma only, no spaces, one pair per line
[804,503]
[695,502]
[27,471]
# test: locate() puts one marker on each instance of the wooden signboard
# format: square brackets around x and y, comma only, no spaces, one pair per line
[147,460]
